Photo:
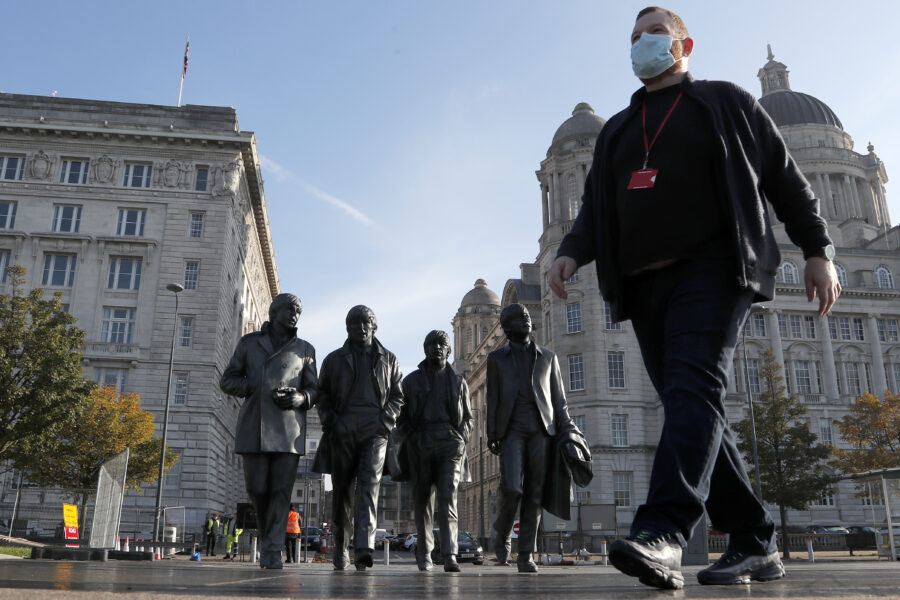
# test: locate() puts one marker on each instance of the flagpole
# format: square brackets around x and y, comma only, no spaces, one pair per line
[187,45]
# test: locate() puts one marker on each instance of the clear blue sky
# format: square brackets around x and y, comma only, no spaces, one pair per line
[400,138]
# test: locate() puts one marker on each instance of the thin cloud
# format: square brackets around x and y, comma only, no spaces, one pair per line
[283,174]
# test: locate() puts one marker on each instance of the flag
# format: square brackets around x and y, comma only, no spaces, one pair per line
[187,46]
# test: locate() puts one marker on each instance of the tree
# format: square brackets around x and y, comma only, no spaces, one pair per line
[872,427]
[108,423]
[41,385]
[791,464]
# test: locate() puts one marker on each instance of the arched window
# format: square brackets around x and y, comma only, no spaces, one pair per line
[841,273]
[884,278]
[788,272]
[572,191]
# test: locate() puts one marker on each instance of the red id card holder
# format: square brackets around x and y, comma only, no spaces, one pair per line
[643,179]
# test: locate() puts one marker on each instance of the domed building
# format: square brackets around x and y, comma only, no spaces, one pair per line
[827,362]
[478,312]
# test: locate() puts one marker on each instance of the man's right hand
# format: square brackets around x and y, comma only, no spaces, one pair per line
[561,270]
[494,447]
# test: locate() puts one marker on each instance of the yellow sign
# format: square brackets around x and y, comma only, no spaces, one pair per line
[70,515]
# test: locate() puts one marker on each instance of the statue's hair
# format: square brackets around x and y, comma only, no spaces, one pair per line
[510,311]
[437,334]
[361,310]
[282,299]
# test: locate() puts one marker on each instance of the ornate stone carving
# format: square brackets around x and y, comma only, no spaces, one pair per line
[229,177]
[172,173]
[103,169]
[40,165]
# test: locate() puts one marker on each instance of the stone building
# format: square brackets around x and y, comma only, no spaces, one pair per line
[107,202]
[827,361]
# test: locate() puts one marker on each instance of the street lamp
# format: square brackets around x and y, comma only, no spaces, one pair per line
[174,288]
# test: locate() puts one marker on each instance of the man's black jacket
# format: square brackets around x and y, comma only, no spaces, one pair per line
[755,166]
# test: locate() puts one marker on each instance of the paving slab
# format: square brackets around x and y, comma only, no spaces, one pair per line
[180,579]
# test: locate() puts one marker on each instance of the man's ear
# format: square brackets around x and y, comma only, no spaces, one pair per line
[687,46]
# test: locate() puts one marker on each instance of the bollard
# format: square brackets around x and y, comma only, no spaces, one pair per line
[387,553]
[604,557]
[253,549]
[127,540]
[297,549]
[809,550]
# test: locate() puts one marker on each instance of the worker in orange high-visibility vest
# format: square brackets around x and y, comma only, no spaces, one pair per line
[292,532]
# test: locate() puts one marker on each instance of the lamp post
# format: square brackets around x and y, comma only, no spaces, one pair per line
[174,288]
[752,418]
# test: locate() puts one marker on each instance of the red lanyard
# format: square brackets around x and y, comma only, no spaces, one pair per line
[649,145]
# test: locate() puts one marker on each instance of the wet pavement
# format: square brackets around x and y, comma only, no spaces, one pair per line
[178,578]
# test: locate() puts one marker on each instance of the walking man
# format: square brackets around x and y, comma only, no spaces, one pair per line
[674,214]
[292,533]
[435,423]
[359,401]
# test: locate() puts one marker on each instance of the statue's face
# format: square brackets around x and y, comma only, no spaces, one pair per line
[518,326]
[287,315]
[361,329]
[437,351]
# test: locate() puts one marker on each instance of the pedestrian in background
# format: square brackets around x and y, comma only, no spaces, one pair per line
[292,533]
[212,533]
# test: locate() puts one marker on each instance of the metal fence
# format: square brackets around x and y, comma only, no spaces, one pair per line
[39,511]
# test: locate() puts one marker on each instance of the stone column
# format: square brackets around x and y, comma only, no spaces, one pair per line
[825,201]
[829,381]
[545,208]
[879,385]
[775,336]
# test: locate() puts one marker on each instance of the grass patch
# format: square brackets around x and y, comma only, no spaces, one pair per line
[15,551]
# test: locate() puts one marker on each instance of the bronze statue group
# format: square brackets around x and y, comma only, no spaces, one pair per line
[676,218]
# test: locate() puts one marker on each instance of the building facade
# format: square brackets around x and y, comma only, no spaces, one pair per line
[107,203]
[827,362]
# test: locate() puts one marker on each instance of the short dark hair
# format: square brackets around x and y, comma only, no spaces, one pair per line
[282,299]
[677,23]
[361,310]
[510,311]
[437,334]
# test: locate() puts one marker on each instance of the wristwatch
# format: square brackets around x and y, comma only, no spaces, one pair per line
[826,252]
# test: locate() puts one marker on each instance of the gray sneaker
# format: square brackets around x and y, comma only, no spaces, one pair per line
[653,557]
[736,567]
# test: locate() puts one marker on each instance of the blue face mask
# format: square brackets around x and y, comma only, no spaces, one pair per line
[651,55]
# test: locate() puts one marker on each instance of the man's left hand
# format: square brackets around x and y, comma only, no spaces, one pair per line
[288,398]
[821,280]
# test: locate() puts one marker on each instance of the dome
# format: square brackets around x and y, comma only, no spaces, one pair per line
[787,107]
[582,123]
[480,294]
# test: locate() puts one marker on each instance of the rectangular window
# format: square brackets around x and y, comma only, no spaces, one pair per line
[66,218]
[573,317]
[4,264]
[186,332]
[59,270]
[610,324]
[118,325]
[618,426]
[852,378]
[759,325]
[173,476]
[12,167]
[180,389]
[576,372]
[7,214]
[810,323]
[575,277]
[622,487]
[137,175]
[838,370]
[896,369]
[783,326]
[825,500]
[579,422]
[859,333]
[115,378]
[192,274]
[826,432]
[819,388]
[615,364]
[124,273]
[74,171]
[131,222]
[891,331]
[202,179]
[832,328]
[844,327]
[196,226]
[753,374]
[796,326]
[801,377]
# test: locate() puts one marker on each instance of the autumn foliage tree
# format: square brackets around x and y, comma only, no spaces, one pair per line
[108,423]
[872,428]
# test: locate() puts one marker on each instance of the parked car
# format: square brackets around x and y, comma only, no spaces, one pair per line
[312,538]
[380,537]
[827,529]
[860,537]
[410,542]
[469,549]
[398,541]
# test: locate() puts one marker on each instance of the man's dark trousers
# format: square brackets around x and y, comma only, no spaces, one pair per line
[358,449]
[270,478]
[211,544]
[687,317]
[436,461]
[523,466]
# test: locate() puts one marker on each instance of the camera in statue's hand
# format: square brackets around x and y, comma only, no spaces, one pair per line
[288,398]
